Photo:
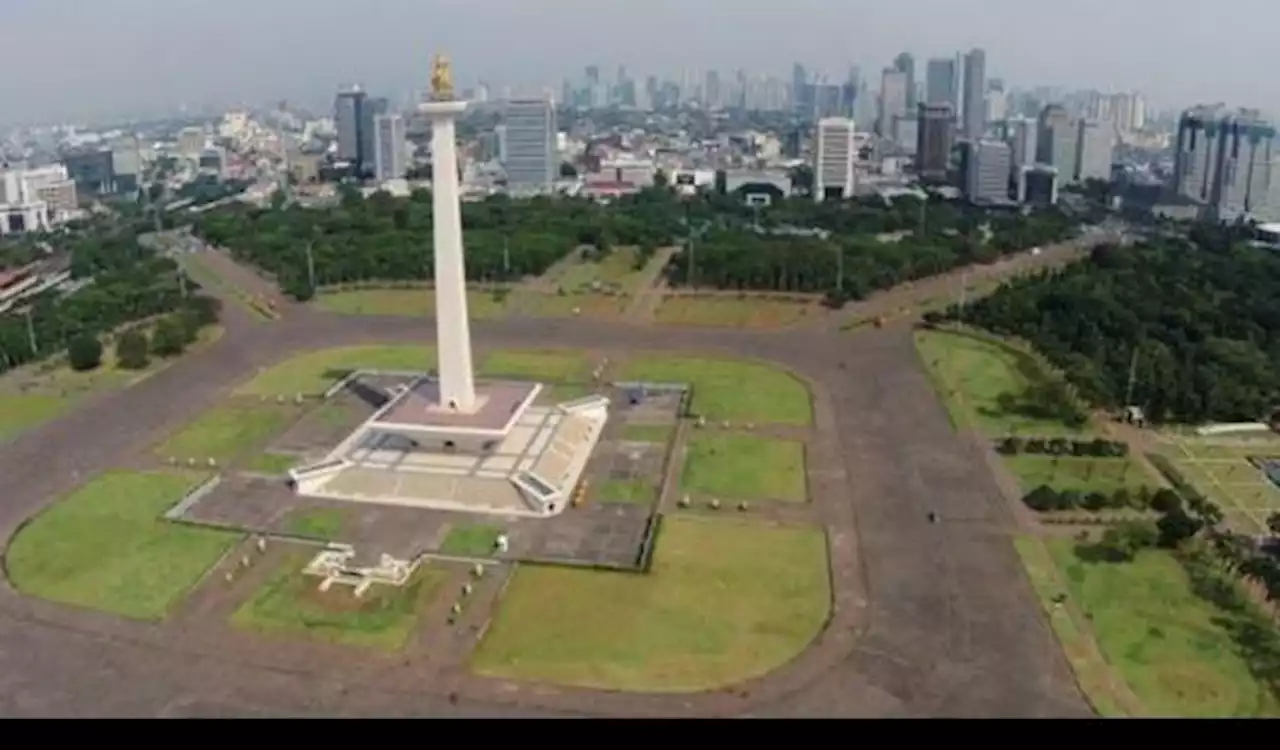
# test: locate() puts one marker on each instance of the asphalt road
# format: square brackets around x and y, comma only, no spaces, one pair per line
[930,619]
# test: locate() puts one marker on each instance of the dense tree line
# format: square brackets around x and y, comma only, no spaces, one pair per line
[389,238]
[123,283]
[735,246]
[1194,321]
[874,246]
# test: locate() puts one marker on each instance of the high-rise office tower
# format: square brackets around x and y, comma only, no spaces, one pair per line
[372,109]
[940,82]
[1094,146]
[1056,141]
[1023,135]
[530,144]
[906,64]
[347,109]
[935,133]
[986,171]
[1223,160]
[975,93]
[833,176]
[389,161]
[893,101]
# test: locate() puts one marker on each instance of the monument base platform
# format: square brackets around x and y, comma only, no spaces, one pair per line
[528,466]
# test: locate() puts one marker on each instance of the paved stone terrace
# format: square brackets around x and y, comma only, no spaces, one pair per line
[929,619]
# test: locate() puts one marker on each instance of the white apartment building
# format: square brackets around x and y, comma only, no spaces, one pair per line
[833,175]
[36,199]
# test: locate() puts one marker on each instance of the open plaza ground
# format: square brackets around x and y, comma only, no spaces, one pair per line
[734,312]
[766,584]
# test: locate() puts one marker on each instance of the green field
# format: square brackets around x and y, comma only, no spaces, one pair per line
[471,540]
[318,523]
[314,372]
[271,463]
[1105,475]
[405,303]
[1181,655]
[105,547]
[725,601]
[290,603]
[729,390]
[1108,696]
[615,271]
[730,466]
[225,432]
[987,386]
[30,396]
[547,366]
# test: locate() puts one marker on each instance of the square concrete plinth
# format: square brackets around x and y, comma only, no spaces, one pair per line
[418,410]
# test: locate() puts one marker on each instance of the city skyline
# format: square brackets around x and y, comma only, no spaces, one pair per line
[258,55]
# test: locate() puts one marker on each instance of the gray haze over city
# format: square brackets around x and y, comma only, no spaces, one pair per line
[114,58]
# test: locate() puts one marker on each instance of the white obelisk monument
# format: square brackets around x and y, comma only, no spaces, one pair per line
[453,327]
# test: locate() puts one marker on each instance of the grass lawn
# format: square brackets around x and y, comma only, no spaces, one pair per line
[544,366]
[471,540]
[626,492]
[649,433]
[1092,671]
[725,601]
[225,432]
[314,372]
[728,389]
[291,603]
[586,305]
[105,546]
[1104,475]
[405,302]
[616,270]
[731,312]
[271,463]
[731,466]
[985,385]
[1173,648]
[318,523]
[32,395]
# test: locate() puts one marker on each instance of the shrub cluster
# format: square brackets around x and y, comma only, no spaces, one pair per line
[1045,499]
[1097,448]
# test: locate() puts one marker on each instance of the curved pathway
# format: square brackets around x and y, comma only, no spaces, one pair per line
[928,620]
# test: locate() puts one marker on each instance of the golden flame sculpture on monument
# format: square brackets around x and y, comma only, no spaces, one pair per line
[441,79]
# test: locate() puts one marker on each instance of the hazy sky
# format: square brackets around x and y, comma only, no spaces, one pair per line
[77,58]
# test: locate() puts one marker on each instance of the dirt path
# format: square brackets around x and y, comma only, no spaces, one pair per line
[650,287]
